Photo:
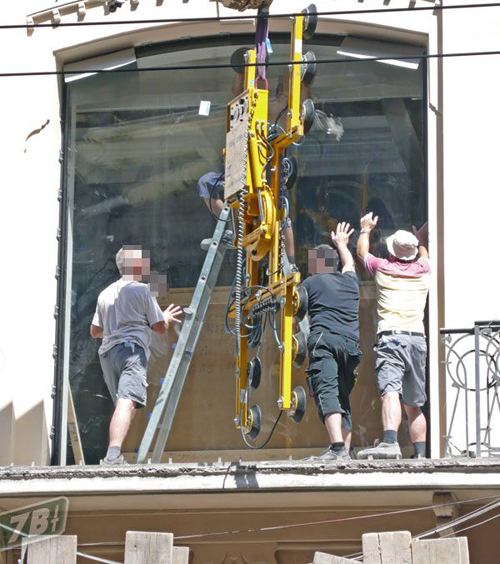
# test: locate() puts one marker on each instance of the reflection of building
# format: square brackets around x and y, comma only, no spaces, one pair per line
[133,145]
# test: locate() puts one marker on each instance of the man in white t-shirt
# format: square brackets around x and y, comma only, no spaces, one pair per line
[126,314]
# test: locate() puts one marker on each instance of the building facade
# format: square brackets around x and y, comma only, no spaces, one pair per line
[93,161]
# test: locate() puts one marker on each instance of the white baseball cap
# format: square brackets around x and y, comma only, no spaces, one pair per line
[403,245]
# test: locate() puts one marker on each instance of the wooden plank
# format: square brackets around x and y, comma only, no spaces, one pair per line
[387,548]
[148,547]
[74,432]
[441,551]
[181,555]
[60,549]
[324,558]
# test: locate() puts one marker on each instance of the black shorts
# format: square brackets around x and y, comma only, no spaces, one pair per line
[331,375]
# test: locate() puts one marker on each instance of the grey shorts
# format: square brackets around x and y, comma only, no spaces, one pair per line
[400,367]
[124,369]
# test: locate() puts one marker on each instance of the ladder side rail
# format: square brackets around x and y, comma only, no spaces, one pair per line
[190,331]
[178,379]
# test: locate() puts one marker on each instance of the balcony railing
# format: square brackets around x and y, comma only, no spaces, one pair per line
[472,360]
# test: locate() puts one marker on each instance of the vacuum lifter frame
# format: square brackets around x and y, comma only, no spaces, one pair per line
[260,219]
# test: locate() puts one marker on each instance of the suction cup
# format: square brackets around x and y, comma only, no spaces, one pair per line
[311,21]
[299,403]
[238,60]
[309,68]
[300,300]
[308,113]
[254,372]
[299,349]
[290,169]
[252,430]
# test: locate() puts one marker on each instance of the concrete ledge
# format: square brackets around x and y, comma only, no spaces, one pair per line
[257,477]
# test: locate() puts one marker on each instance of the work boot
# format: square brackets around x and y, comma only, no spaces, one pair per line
[120,461]
[329,455]
[381,451]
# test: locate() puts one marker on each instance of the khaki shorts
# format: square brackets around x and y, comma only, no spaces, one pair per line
[124,369]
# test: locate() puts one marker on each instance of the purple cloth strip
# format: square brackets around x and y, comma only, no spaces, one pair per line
[261,36]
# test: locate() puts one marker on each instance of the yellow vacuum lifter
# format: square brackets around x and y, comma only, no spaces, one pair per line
[253,157]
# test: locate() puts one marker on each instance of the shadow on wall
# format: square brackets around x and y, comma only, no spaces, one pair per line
[24,438]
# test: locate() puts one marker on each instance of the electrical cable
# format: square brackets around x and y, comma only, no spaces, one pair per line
[340,520]
[472,526]
[211,193]
[259,447]
[355,518]
[454,522]
[251,17]
[96,558]
[462,519]
[270,63]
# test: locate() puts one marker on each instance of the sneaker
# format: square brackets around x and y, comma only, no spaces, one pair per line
[381,451]
[329,455]
[120,461]
[418,456]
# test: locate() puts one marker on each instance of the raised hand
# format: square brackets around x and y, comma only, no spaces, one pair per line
[341,236]
[368,222]
[422,234]
[172,314]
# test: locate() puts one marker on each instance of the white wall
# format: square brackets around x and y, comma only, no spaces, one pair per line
[468,270]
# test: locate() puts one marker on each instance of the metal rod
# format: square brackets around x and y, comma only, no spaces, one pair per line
[478,392]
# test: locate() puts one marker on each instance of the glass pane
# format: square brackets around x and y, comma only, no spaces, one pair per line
[139,144]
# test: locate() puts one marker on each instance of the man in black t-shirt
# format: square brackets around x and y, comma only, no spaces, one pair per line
[333,307]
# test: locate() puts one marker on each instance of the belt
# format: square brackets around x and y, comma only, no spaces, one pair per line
[397,332]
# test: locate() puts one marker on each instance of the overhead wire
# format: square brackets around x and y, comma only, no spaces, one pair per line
[449,524]
[228,65]
[341,520]
[470,515]
[472,526]
[240,17]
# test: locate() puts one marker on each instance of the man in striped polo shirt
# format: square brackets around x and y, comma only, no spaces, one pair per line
[401,350]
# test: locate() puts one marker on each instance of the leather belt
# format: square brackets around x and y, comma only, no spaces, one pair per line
[397,332]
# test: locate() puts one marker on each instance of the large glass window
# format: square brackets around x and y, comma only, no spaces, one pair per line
[137,145]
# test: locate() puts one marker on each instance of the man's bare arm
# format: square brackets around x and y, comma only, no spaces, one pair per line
[422,235]
[340,239]
[368,222]
[215,206]
[96,332]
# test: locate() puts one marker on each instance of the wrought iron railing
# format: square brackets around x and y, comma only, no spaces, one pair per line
[472,360]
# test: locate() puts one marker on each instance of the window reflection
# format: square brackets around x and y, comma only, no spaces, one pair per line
[139,147]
